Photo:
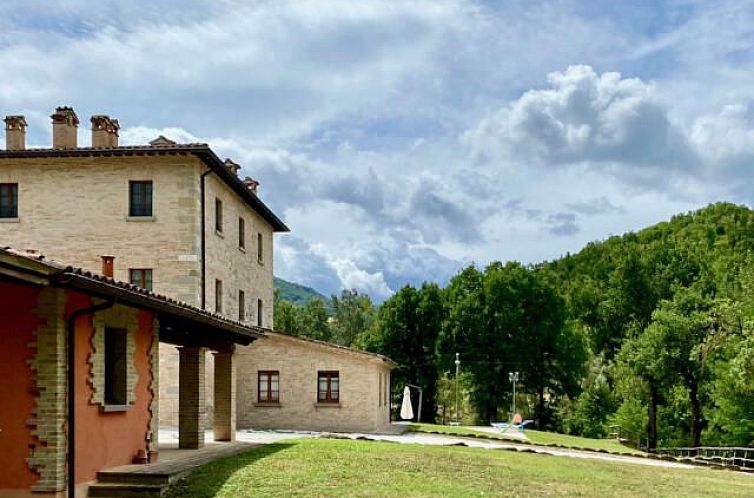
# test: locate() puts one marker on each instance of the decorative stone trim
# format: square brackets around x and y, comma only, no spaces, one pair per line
[154,386]
[121,317]
[48,424]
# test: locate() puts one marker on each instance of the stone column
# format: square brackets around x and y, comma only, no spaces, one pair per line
[225,397]
[191,401]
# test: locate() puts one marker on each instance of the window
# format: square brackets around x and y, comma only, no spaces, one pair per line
[141,277]
[115,366]
[268,386]
[218,296]
[140,198]
[259,312]
[328,387]
[241,306]
[387,388]
[260,253]
[8,200]
[379,392]
[241,233]
[218,215]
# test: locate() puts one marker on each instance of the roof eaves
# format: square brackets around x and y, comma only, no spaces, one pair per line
[337,347]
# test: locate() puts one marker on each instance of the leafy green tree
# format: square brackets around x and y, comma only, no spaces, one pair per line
[353,316]
[287,316]
[314,320]
[405,329]
[508,319]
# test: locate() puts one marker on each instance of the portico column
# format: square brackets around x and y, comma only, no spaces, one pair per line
[225,397]
[191,400]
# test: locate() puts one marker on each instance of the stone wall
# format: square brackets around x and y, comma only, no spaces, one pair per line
[75,210]
[49,367]
[238,269]
[364,387]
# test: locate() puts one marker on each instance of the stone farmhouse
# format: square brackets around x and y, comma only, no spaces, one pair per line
[175,220]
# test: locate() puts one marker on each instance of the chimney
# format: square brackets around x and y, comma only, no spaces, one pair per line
[161,141]
[251,184]
[233,167]
[108,266]
[15,132]
[65,125]
[104,131]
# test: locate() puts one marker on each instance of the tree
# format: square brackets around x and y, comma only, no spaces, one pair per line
[287,319]
[353,316]
[508,319]
[405,329]
[314,320]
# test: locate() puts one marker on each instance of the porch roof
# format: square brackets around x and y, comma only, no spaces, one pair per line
[180,323]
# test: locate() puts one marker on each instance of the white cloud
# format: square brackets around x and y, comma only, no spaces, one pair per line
[726,139]
[582,116]
[349,114]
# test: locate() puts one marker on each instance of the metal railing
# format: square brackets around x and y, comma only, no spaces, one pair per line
[726,456]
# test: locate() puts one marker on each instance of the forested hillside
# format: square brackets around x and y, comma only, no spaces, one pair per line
[650,330]
[296,293]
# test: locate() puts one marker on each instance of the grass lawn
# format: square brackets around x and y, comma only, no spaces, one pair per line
[347,468]
[535,437]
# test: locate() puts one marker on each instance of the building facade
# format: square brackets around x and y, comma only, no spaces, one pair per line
[297,383]
[176,220]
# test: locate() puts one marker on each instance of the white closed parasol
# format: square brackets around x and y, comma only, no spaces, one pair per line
[407,411]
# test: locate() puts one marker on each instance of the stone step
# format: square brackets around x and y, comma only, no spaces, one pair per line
[113,490]
[115,477]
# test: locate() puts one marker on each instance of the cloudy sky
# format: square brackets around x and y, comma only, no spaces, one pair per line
[403,140]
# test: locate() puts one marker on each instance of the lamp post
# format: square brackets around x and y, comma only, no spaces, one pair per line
[458,365]
[513,377]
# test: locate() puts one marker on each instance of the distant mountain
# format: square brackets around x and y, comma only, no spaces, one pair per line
[296,293]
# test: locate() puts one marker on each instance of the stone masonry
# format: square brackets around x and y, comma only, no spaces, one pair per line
[364,387]
[120,317]
[191,417]
[49,366]
[224,419]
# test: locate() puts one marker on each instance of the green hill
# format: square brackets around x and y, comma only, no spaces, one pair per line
[296,293]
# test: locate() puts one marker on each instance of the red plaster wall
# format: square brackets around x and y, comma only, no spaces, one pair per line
[109,439]
[17,321]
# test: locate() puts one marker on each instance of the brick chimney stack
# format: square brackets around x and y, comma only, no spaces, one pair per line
[15,132]
[104,131]
[251,184]
[65,126]
[232,166]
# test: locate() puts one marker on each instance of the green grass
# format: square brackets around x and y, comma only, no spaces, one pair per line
[347,468]
[535,437]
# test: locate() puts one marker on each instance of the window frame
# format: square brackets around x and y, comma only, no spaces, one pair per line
[241,305]
[270,395]
[241,233]
[218,296]
[260,248]
[260,312]
[143,281]
[143,209]
[115,379]
[12,195]
[218,215]
[328,376]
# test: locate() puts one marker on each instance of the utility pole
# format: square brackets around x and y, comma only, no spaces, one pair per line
[458,365]
[513,377]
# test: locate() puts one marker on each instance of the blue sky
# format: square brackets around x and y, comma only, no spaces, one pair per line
[403,140]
